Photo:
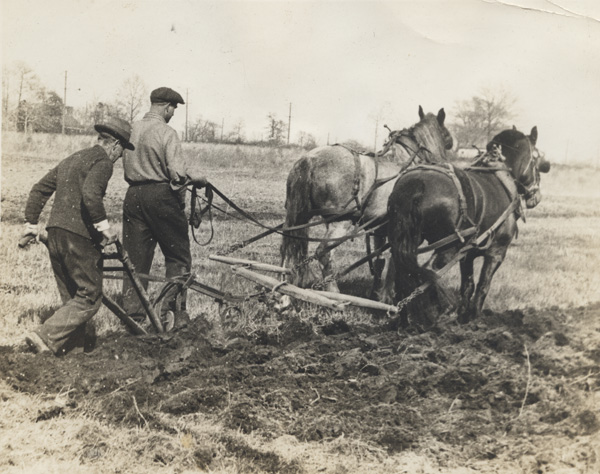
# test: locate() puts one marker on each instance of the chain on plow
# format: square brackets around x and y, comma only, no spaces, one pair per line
[416,292]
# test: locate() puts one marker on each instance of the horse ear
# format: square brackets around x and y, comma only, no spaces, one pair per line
[441,116]
[421,113]
[533,135]
[514,127]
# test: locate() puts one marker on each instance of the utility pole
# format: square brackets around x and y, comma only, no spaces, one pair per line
[375,142]
[64,112]
[5,96]
[187,106]
[222,126]
[289,124]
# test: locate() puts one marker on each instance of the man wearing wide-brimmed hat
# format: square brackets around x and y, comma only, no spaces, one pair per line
[157,173]
[77,230]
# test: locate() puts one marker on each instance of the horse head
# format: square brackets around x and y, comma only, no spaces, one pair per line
[523,160]
[428,139]
[431,130]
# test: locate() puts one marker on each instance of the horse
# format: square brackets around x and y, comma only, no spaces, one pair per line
[345,187]
[471,212]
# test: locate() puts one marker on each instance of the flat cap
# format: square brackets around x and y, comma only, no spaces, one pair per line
[118,128]
[165,94]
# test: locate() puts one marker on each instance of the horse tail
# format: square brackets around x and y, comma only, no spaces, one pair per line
[294,245]
[406,224]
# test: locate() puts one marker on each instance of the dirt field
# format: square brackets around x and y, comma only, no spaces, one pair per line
[513,392]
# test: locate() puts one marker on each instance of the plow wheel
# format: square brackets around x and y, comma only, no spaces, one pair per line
[231,315]
[169,292]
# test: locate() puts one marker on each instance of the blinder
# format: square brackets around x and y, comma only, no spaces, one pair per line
[538,163]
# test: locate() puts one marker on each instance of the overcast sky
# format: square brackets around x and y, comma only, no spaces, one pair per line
[341,65]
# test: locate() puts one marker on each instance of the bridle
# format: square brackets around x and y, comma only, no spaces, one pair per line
[396,136]
[534,159]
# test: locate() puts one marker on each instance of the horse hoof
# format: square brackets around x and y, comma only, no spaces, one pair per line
[463,318]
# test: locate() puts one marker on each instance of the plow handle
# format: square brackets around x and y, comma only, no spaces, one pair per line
[26,240]
[137,285]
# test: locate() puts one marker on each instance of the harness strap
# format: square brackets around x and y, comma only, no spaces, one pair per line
[461,196]
[449,170]
[507,180]
[356,181]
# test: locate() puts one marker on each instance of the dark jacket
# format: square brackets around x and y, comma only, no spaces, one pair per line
[79,182]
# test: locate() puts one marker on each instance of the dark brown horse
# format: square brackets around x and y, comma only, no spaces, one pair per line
[478,205]
[337,183]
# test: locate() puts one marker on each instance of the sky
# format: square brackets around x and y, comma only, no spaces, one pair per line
[346,68]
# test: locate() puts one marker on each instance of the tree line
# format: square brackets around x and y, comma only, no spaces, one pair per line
[28,106]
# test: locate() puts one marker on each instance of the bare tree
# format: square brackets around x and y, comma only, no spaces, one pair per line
[5,90]
[306,140]
[275,130]
[20,82]
[237,132]
[131,97]
[481,117]
[202,131]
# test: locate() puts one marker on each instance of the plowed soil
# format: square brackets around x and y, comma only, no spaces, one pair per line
[519,388]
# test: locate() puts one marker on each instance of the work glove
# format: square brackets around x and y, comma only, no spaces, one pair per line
[29,234]
[109,236]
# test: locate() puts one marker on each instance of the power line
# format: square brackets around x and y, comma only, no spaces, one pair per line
[187,106]
[289,124]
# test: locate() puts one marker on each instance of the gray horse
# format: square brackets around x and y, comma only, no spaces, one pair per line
[344,188]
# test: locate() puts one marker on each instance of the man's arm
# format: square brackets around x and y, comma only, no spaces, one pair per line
[180,173]
[93,191]
[39,195]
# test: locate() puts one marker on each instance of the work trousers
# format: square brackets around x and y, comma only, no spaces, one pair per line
[77,266]
[153,214]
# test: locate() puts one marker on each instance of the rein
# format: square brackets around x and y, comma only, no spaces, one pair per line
[196,215]
[285,230]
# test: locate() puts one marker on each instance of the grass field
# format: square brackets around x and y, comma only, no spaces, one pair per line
[552,266]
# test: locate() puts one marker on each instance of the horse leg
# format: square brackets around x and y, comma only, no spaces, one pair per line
[467,286]
[387,292]
[379,265]
[333,231]
[491,262]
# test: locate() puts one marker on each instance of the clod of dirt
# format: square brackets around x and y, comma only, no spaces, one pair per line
[588,422]
[192,401]
[338,326]
[396,440]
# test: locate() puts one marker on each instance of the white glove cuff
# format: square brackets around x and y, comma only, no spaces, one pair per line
[102,226]
[31,228]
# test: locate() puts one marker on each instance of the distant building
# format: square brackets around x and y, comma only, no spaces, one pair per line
[467,153]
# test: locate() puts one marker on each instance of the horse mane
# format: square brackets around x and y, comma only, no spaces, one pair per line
[423,132]
[506,137]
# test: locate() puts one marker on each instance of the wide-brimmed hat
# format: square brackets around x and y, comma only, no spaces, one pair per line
[165,94]
[118,128]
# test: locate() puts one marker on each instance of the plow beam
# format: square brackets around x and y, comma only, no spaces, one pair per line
[288,289]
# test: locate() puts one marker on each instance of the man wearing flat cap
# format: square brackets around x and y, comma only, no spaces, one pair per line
[153,210]
[77,230]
